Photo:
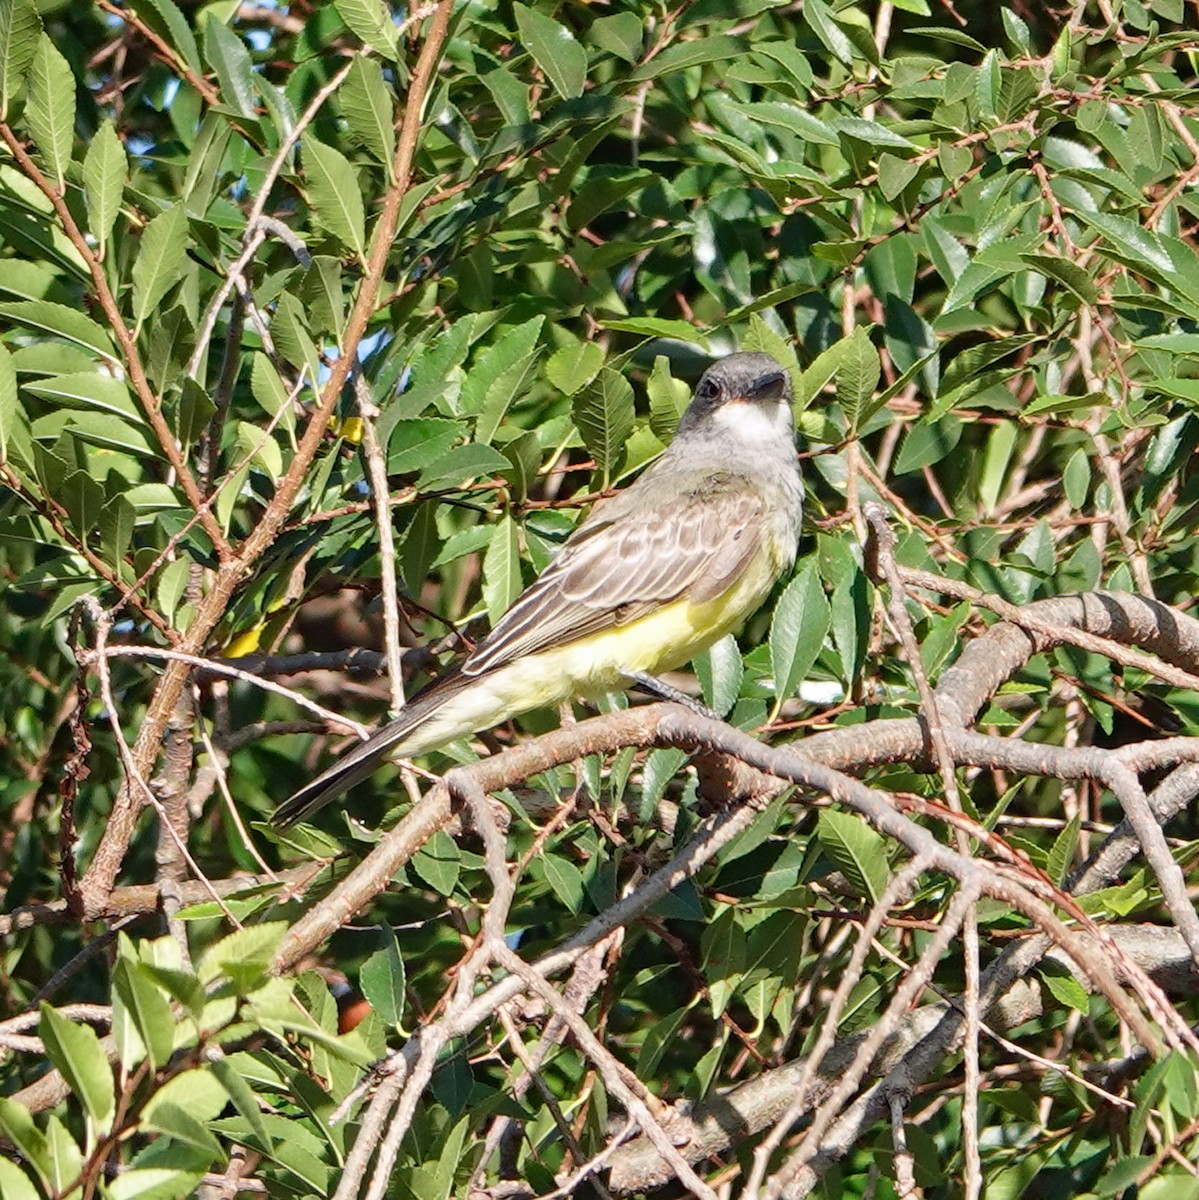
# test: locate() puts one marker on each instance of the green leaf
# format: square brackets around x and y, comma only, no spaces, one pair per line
[668,399]
[1061,854]
[438,863]
[227,55]
[75,1050]
[858,371]
[59,320]
[244,1100]
[164,17]
[244,956]
[619,34]
[51,107]
[720,671]
[15,1184]
[91,390]
[20,27]
[857,850]
[1068,274]
[1064,987]
[820,18]
[692,53]
[17,1123]
[334,194]
[11,416]
[723,943]
[140,1008]
[383,982]
[172,583]
[501,569]
[500,376]
[801,620]
[927,443]
[799,121]
[161,259]
[554,49]
[154,1183]
[564,878]
[987,87]
[368,106]
[370,22]
[289,328]
[573,367]
[460,465]
[105,167]
[603,414]
[894,174]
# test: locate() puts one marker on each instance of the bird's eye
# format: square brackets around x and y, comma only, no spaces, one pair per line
[708,389]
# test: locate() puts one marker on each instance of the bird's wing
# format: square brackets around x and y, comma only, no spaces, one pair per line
[621,564]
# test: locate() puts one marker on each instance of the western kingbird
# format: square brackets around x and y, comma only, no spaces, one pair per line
[653,576]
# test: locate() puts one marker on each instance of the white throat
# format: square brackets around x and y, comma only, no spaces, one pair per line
[754,425]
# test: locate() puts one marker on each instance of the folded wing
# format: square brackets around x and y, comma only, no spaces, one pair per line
[626,560]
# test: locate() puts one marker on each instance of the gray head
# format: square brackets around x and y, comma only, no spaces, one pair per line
[746,393]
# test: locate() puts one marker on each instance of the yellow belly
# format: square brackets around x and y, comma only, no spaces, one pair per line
[661,641]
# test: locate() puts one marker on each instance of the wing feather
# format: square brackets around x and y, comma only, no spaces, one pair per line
[619,565]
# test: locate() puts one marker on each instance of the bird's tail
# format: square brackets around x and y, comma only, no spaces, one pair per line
[361,760]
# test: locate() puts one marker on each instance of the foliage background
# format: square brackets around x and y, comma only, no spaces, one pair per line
[969,231]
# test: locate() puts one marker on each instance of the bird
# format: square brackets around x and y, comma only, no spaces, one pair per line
[654,575]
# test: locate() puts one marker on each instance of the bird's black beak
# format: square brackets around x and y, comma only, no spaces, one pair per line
[767,387]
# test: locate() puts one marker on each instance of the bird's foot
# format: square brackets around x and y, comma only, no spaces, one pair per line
[659,688]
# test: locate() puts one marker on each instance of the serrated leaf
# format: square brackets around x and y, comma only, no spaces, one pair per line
[75,1050]
[668,399]
[244,956]
[50,110]
[501,569]
[20,27]
[554,49]
[797,631]
[383,982]
[227,55]
[572,368]
[368,107]
[857,850]
[105,167]
[161,259]
[460,465]
[368,21]
[334,194]
[858,371]
[603,413]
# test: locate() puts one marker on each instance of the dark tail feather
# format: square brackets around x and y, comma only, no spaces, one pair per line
[361,761]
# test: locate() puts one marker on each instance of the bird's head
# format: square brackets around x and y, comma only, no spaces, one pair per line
[747,395]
